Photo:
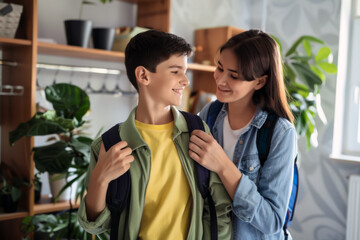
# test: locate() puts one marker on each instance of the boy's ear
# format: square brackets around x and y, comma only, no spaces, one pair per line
[261,82]
[141,75]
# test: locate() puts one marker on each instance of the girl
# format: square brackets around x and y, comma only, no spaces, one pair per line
[249,79]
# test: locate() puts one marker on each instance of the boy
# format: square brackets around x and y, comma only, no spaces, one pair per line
[165,202]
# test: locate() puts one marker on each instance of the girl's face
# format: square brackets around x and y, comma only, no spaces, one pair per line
[231,86]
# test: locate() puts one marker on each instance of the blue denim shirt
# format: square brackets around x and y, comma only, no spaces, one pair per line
[260,201]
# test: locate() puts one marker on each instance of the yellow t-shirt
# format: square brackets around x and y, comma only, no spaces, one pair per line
[168,197]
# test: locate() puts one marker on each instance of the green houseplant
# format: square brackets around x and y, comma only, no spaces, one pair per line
[306,64]
[69,155]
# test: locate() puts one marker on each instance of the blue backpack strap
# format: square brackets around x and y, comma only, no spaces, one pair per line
[264,136]
[213,112]
[293,198]
[263,142]
[118,192]
[203,175]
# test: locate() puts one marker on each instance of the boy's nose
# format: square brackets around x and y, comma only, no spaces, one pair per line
[185,81]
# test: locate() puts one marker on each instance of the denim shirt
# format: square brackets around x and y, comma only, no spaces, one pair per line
[262,195]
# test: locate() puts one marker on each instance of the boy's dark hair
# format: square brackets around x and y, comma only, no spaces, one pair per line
[150,48]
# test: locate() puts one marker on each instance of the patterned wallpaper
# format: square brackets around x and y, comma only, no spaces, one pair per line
[322,203]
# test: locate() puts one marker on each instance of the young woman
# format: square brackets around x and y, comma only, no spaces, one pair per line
[249,79]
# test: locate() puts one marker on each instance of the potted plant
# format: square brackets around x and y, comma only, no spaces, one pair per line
[11,189]
[306,64]
[78,31]
[37,187]
[69,155]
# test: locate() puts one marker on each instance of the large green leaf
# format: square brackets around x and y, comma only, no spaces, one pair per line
[69,101]
[307,75]
[41,124]
[328,67]
[53,158]
[322,54]
[307,47]
[298,41]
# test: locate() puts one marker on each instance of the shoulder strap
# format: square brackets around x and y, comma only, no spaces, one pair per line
[264,136]
[203,175]
[118,192]
[213,112]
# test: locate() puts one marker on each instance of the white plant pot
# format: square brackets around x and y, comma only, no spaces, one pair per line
[57,185]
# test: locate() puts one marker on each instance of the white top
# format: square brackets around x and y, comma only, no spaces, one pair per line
[231,137]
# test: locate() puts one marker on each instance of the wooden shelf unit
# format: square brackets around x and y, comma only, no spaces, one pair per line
[23,50]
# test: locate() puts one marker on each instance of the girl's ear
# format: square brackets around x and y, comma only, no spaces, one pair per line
[141,75]
[261,82]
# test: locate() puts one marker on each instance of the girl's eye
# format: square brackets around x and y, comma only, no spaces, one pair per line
[175,72]
[220,69]
[233,77]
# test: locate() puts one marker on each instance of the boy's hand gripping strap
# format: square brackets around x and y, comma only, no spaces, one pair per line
[118,192]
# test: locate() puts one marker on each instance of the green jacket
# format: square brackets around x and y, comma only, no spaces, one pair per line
[140,170]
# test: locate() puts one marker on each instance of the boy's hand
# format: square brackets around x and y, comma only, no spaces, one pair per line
[113,163]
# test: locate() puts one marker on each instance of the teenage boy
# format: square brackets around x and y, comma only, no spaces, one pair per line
[165,202]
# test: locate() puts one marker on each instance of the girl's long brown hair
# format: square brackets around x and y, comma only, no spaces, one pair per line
[258,55]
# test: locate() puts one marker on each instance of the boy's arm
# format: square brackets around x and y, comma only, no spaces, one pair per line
[93,214]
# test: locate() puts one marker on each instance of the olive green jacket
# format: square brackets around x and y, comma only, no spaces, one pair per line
[199,225]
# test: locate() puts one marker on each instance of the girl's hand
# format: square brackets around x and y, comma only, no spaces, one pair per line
[113,163]
[205,150]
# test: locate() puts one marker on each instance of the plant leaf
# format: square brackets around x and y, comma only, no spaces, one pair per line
[299,40]
[307,75]
[318,72]
[322,54]
[69,101]
[41,124]
[307,47]
[328,67]
[53,158]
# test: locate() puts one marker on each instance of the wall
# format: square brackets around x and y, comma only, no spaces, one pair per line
[322,204]
[321,209]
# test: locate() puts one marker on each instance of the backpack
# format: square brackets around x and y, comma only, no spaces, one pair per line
[118,192]
[263,142]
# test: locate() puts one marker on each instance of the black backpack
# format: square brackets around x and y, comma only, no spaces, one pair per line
[263,142]
[118,192]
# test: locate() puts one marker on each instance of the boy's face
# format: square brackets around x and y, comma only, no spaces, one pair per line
[168,82]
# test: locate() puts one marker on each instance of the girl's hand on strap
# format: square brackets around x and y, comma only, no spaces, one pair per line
[205,150]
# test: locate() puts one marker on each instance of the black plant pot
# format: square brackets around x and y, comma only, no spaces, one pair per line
[37,194]
[8,204]
[78,32]
[103,38]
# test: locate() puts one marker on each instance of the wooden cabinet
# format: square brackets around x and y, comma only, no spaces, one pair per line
[207,43]
[23,50]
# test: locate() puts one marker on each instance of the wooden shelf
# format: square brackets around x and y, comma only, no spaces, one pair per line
[46,205]
[14,42]
[98,54]
[201,67]
[79,52]
[15,215]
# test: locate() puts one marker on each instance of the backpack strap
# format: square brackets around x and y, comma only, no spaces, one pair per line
[293,199]
[264,136]
[203,175]
[118,192]
[263,142]
[213,112]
